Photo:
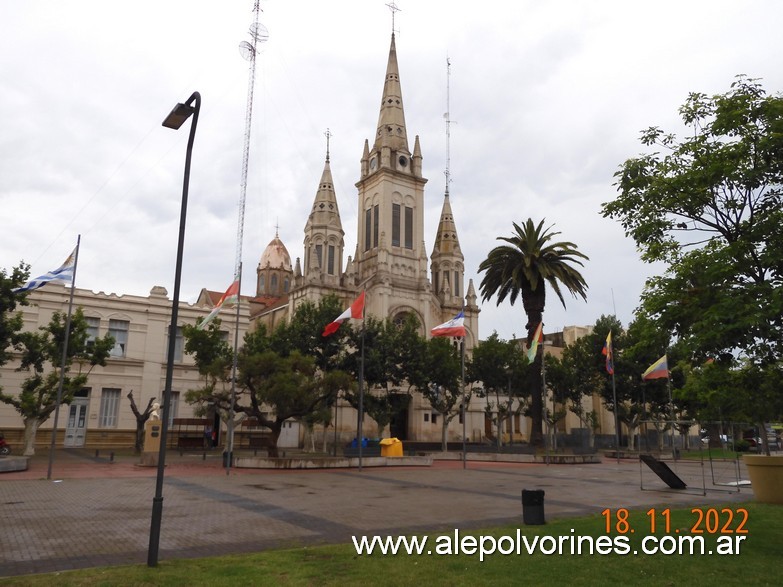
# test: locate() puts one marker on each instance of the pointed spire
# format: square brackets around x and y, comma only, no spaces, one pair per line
[471,297]
[325,211]
[391,120]
[446,240]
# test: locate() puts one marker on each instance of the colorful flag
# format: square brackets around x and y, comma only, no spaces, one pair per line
[454,327]
[63,274]
[231,297]
[355,311]
[658,370]
[538,337]
[607,351]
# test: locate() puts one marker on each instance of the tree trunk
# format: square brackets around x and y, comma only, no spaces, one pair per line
[271,450]
[139,444]
[30,430]
[536,402]
[444,446]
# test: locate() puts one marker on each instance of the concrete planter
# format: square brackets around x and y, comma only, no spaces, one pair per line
[766,477]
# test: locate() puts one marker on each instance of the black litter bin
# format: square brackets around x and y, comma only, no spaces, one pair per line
[533,507]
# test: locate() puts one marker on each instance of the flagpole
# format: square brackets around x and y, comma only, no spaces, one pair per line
[66,338]
[361,393]
[671,408]
[616,420]
[230,427]
[464,425]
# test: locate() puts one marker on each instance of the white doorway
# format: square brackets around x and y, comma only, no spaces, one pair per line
[76,427]
[289,435]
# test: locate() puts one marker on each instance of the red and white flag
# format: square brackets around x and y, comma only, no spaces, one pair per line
[355,311]
[454,327]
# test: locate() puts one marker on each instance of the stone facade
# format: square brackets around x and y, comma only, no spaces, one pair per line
[101,416]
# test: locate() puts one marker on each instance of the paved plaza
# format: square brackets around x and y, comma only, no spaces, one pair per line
[96,512]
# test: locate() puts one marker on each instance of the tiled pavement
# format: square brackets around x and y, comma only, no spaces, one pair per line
[95,513]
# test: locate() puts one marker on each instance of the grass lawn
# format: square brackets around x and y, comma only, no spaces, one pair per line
[757,563]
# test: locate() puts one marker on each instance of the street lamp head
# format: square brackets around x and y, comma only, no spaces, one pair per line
[178,116]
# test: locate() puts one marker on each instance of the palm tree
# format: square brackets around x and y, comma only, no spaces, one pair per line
[523,267]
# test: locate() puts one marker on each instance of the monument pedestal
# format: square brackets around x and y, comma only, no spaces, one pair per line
[149,456]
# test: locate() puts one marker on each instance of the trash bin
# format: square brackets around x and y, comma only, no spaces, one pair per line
[533,507]
[391,447]
[355,444]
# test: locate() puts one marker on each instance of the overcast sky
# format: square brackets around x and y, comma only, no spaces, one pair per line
[547,99]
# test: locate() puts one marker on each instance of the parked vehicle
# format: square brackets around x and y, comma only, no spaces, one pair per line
[5,448]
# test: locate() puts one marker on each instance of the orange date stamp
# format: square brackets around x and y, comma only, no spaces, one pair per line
[710,520]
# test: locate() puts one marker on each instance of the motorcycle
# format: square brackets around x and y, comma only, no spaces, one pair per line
[5,448]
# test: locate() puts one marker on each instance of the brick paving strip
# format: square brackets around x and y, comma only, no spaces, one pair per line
[98,513]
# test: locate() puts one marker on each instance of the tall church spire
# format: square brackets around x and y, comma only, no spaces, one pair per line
[391,130]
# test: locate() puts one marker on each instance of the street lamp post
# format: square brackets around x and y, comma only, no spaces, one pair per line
[174,120]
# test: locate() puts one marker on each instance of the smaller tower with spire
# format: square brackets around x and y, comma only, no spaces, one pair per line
[324,236]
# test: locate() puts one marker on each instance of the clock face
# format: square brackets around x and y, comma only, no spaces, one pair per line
[403,161]
[373,163]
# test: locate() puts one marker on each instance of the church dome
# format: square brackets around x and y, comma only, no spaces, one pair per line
[275,256]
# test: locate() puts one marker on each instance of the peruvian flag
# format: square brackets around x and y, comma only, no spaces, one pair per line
[355,311]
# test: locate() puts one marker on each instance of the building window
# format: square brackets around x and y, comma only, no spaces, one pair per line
[93,325]
[426,417]
[179,344]
[395,225]
[319,250]
[375,223]
[110,408]
[367,229]
[261,285]
[330,260]
[435,277]
[408,227]
[456,283]
[174,407]
[434,418]
[286,285]
[118,329]
[273,285]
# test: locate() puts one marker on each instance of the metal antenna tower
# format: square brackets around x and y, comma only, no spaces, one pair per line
[447,118]
[248,50]
[394,9]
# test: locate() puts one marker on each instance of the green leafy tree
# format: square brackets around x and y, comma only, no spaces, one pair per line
[394,363]
[275,380]
[523,268]
[709,207]
[42,356]
[10,320]
[501,369]
[575,376]
[443,385]
[303,333]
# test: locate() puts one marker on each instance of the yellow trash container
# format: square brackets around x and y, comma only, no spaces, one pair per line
[391,447]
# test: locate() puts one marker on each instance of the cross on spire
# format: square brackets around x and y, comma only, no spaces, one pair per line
[328,135]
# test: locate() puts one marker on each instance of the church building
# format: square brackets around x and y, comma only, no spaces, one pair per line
[391,262]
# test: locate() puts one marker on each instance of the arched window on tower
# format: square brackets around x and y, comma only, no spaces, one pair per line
[273,285]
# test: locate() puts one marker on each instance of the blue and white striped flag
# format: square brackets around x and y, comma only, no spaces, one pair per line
[63,274]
